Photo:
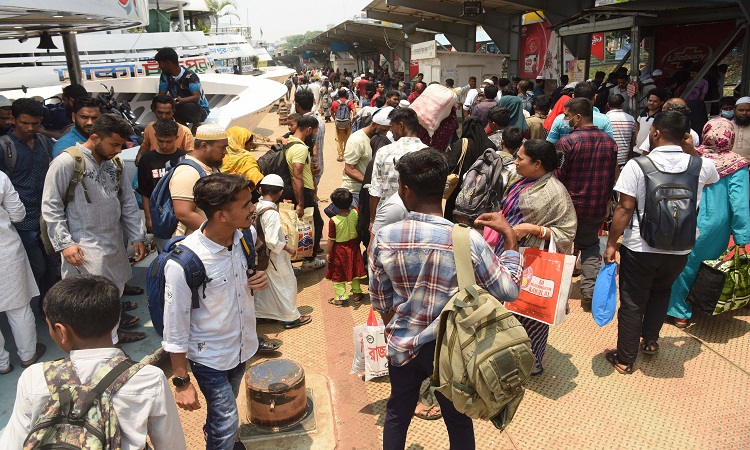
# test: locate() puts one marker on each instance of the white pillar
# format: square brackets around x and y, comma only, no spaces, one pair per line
[181,15]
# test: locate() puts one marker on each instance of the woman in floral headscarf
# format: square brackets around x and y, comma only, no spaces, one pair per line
[238,158]
[724,211]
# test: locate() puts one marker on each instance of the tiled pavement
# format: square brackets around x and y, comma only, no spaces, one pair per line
[693,395]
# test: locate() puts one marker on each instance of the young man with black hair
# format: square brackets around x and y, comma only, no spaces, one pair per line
[6,115]
[392,98]
[163,107]
[144,405]
[482,108]
[303,103]
[536,121]
[152,165]
[622,89]
[303,185]
[585,90]
[557,93]
[384,183]
[32,162]
[420,248]
[88,230]
[191,105]
[498,120]
[654,104]
[343,132]
[647,273]
[588,172]
[219,337]
[511,141]
[85,111]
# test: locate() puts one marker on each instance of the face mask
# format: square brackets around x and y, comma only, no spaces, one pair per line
[727,114]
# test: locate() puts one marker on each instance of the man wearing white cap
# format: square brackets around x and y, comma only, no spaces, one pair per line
[6,117]
[742,126]
[88,229]
[539,88]
[210,147]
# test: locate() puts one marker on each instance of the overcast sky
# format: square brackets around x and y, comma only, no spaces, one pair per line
[279,18]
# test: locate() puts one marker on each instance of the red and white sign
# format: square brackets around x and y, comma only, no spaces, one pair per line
[533,46]
[632,89]
[677,45]
[597,46]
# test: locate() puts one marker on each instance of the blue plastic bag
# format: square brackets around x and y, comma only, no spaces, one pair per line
[604,302]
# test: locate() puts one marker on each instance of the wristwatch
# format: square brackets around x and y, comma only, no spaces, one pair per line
[180,381]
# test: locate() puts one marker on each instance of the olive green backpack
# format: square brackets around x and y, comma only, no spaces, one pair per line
[483,355]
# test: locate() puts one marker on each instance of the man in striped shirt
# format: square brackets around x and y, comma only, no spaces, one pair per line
[412,278]
[623,128]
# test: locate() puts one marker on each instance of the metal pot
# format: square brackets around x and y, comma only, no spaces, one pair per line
[276,395]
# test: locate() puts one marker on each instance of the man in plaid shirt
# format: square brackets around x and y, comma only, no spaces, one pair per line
[412,278]
[588,172]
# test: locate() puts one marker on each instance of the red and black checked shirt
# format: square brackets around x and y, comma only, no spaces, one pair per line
[588,171]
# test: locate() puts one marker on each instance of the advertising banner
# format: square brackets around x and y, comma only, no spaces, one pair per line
[597,46]
[677,45]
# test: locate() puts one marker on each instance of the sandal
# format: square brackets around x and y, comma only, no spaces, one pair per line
[8,370]
[429,413]
[267,346]
[129,306]
[128,321]
[357,297]
[649,347]
[338,302]
[132,290]
[40,349]
[681,323]
[128,337]
[611,357]
[303,320]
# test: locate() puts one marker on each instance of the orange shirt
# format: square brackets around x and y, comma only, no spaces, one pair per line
[184,138]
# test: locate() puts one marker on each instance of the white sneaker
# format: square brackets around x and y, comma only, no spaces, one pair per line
[316,263]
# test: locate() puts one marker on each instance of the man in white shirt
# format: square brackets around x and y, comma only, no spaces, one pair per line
[404,124]
[647,273]
[144,405]
[218,337]
[470,95]
[357,156]
[742,126]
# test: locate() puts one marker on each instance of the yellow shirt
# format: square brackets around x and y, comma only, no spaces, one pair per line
[299,153]
[181,188]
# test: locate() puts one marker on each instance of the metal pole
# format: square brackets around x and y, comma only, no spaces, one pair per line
[181,16]
[561,56]
[71,56]
[745,81]
[635,57]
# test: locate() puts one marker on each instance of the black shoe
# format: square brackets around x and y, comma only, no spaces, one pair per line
[586,304]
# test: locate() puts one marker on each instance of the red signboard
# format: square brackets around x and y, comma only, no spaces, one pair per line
[597,46]
[533,47]
[677,45]
[413,68]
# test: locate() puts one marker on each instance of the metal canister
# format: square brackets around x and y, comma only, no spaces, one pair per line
[276,395]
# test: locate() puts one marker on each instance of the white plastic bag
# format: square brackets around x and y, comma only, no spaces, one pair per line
[358,364]
[374,348]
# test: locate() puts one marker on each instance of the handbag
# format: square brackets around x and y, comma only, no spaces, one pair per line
[545,285]
[451,183]
[722,285]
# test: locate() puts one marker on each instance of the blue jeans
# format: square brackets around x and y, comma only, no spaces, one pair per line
[46,268]
[220,387]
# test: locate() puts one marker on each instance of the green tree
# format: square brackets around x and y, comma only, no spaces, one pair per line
[216,7]
[296,40]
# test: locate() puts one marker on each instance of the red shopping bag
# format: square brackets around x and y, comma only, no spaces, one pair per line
[545,285]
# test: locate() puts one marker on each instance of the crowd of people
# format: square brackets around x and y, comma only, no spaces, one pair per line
[568,171]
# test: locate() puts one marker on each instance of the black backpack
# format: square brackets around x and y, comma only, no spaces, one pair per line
[670,213]
[274,161]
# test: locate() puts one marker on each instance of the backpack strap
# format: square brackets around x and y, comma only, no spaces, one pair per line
[9,153]
[464,147]
[79,170]
[647,167]
[462,256]
[45,145]
[194,165]
[111,379]
[195,271]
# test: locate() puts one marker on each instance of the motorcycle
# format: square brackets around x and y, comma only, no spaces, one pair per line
[111,106]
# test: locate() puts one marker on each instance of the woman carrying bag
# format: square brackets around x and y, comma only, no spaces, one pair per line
[538,207]
[476,143]
[724,211]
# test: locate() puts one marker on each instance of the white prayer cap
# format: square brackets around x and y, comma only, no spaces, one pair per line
[381,117]
[272,180]
[404,104]
[539,77]
[4,102]
[657,73]
[571,85]
[742,101]
[488,81]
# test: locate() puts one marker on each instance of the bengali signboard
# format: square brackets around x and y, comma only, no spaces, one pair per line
[424,50]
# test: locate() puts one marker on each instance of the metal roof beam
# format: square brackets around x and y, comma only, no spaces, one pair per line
[442,8]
